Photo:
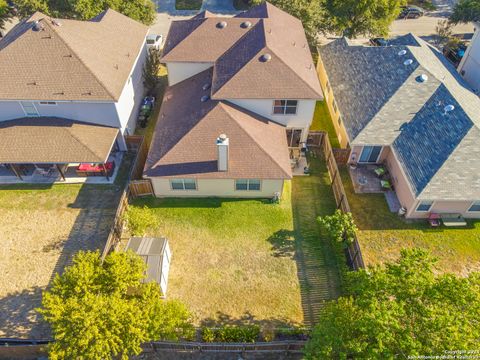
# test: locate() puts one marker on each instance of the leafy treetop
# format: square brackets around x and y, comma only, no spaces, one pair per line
[466,11]
[103,310]
[399,310]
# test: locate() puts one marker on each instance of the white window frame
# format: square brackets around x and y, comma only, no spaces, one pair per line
[33,105]
[248,184]
[183,185]
[47,103]
[285,107]
[420,203]
[474,203]
[335,106]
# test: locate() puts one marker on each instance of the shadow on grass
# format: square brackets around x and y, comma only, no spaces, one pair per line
[283,243]
[211,202]
[222,319]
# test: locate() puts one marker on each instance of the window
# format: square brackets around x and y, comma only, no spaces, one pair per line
[328,87]
[48,103]
[370,154]
[285,107]
[247,185]
[475,206]
[183,184]
[29,108]
[424,206]
[335,109]
[340,120]
[293,137]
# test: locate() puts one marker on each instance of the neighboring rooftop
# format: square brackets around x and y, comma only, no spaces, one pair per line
[57,59]
[247,52]
[54,140]
[397,95]
[189,124]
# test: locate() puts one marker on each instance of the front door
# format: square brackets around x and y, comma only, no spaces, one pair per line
[370,154]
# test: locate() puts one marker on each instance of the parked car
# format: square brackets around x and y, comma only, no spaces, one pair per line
[379,42]
[154,41]
[411,12]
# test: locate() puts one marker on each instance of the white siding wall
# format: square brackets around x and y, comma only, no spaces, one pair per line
[470,65]
[132,95]
[216,187]
[264,107]
[102,113]
[178,71]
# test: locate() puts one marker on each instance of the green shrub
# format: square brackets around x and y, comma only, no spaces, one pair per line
[139,220]
[339,226]
[249,333]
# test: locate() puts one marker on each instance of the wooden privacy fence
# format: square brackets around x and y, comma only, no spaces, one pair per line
[141,188]
[138,144]
[196,347]
[354,253]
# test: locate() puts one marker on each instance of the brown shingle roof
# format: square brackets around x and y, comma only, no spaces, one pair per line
[185,134]
[54,140]
[76,60]
[236,53]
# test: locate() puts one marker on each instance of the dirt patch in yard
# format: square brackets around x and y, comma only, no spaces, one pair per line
[41,228]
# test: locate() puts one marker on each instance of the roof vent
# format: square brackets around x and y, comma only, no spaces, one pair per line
[448,108]
[222,25]
[245,24]
[408,62]
[422,78]
[37,26]
[204,98]
[402,52]
[206,86]
[56,22]
[265,57]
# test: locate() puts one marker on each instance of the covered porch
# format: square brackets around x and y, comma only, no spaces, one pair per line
[50,150]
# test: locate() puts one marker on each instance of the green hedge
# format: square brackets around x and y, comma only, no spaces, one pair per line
[249,333]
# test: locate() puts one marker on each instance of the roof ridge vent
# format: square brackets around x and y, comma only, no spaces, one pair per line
[38,26]
[56,22]
[408,62]
[246,25]
[422,78]
[206,86]
[402,52]
[205,98]
[222,24]
[265,57]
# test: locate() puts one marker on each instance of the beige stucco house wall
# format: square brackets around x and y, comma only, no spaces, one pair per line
[334,113]
[217,188]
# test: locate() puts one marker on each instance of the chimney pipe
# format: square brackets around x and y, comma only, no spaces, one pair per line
[222,150]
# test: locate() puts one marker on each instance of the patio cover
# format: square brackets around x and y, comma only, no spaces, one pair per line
[51,140]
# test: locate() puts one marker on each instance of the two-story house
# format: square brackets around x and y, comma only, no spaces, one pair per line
[240,101]
[69,93]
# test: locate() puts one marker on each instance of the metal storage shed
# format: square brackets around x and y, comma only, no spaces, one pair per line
[157,255]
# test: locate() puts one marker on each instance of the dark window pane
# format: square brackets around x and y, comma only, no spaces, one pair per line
[291,110]
[241,184]
[177,184]
[254,184]
[278,110]
[279,102]
[475,206]
[292,102]
[424,206]
[190,184]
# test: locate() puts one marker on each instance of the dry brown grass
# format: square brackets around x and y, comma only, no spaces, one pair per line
[41,228]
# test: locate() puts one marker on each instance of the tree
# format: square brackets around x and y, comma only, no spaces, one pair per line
[466,11]
[140,10]
[151,69]
[102,310]
[401,309]
[339,226]
[5,13]
[353,18]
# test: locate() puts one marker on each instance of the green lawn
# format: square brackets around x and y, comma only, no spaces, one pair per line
[236,261]
[188,4]
[382,234]
[323,122]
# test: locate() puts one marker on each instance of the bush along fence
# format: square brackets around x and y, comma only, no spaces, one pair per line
[137,144]
[320,140]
